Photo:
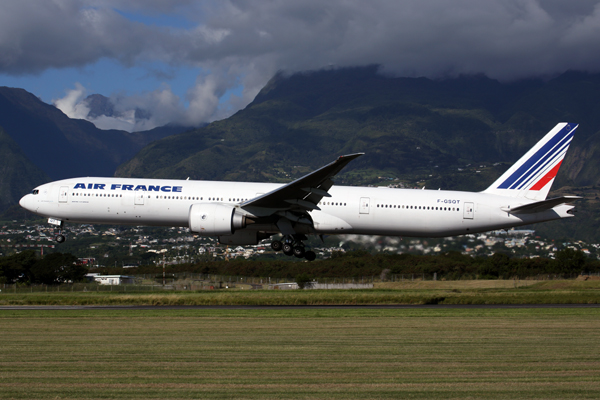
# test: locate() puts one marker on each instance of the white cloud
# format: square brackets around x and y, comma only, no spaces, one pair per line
[157,108]
[72,104]
[126,122]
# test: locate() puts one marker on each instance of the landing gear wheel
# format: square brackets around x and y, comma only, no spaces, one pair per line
[299,251]
[310,255]
[59,238]
[288,250]
[276,245]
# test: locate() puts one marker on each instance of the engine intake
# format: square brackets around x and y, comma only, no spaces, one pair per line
[215,219]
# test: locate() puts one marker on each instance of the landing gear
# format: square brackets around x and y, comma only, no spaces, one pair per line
[276,245]
[59,238]
[299,251]
[293,246]
[288,249]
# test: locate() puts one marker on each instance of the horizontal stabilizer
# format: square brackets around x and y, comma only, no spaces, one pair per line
[540,206]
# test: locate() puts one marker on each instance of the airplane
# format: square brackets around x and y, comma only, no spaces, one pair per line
[244,213]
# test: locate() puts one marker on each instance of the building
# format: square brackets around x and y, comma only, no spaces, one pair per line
[114,279]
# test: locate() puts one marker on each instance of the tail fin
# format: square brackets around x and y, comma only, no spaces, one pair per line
[532,176]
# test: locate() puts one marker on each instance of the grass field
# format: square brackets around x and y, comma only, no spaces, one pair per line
[304,354]
[428,292]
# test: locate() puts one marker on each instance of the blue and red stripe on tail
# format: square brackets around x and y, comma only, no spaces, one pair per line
[532,176]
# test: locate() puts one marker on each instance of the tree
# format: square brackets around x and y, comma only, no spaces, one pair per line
[303,280]
[17,267]
[494,267]
[57,268]
[569,261]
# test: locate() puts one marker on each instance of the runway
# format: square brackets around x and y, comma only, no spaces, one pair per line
[303,307]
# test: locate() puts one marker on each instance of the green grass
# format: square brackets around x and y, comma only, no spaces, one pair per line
[303,354]
[457,292]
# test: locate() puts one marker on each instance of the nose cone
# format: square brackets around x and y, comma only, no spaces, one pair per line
[25,202]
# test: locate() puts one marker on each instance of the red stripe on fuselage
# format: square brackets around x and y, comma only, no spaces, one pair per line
[547,178]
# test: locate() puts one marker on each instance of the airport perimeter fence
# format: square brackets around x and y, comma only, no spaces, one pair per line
[232,280]
[195,282]
[82,287]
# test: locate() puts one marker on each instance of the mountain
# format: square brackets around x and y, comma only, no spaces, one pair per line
[405,126]
[18,175]
[103,106]
[63,147]
[99,105]
[457,133]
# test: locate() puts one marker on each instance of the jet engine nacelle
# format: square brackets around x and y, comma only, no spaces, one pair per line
[215,219]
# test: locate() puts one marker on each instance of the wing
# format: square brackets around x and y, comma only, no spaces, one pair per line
[301,195]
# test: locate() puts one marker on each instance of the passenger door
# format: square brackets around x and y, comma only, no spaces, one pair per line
[469,211]
[139,198]
[63,194]
[364,205]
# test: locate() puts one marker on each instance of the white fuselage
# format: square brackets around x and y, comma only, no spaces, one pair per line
[357,210]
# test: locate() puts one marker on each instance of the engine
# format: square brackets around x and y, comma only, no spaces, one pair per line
[215,219]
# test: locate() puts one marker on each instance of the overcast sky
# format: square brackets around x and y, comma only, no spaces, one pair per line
[193,61]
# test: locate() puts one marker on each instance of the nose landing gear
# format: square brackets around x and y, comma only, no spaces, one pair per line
[293,246]
[59,238]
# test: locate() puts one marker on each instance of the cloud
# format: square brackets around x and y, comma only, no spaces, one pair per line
[245,43]
[156,108]
[149,110]
[72,104]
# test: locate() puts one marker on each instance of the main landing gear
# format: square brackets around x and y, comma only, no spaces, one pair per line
[60,238]
[293,246]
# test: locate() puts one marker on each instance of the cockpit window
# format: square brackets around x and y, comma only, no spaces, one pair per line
[36,191]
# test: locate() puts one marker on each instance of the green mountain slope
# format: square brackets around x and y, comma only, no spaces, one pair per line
[18,175]
[63,147]
[405,126]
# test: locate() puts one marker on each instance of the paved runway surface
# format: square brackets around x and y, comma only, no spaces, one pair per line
[316,307]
